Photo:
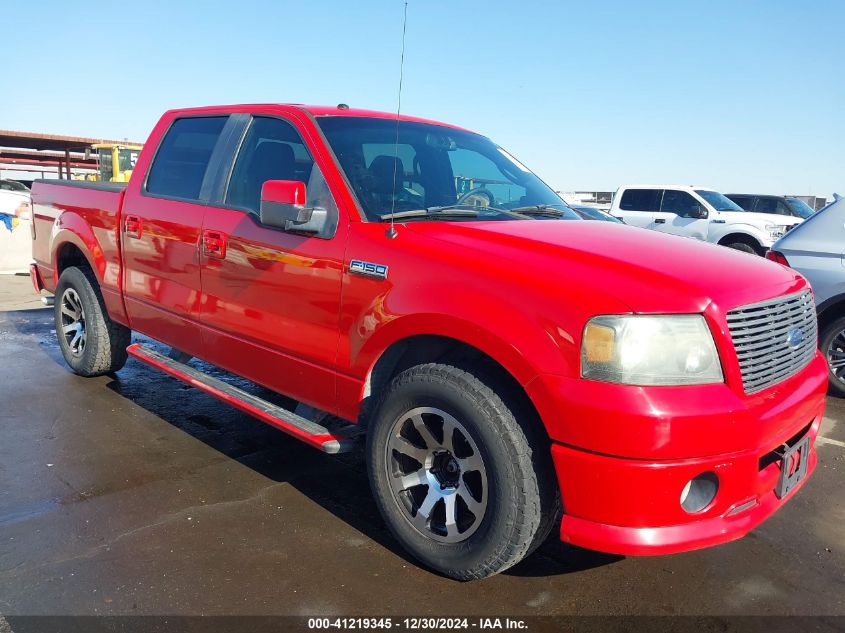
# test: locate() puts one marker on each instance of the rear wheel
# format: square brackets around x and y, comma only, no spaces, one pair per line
[461,484]
[91,343]
[832,345]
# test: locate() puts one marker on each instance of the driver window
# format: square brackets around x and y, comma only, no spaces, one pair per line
[680,203]
[271,150]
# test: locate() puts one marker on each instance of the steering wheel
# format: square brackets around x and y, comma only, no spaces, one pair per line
[478,197]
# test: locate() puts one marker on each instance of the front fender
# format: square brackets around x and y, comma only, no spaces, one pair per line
[723,230]
[513,355]
[512,330]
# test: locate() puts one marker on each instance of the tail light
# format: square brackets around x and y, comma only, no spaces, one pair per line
[24,212]
[777,256]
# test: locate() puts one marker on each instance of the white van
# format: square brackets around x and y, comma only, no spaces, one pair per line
[701,213]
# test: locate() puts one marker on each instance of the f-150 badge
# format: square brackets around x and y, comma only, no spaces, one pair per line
[368,269]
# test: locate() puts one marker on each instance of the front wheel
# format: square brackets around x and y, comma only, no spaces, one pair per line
[742,246]
[91,343]
[460,483]
[832,345]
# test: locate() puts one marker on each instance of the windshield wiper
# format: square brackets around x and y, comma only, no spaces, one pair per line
[538,209]
[453,210]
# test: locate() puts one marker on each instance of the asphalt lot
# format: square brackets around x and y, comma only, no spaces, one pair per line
[138,495]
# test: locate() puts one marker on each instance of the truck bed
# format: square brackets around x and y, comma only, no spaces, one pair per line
[90,213]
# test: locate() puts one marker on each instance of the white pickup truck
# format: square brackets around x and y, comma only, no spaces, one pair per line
[701,213]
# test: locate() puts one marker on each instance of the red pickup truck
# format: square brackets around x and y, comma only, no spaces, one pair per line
[412,283]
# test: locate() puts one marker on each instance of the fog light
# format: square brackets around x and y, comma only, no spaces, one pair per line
[699,492]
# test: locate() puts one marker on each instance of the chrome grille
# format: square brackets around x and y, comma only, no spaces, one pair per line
[766,341]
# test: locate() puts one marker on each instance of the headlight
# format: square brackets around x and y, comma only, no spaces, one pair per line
[775,230]
[650,350]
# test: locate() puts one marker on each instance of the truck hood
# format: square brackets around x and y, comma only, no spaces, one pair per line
[758,219]
[646,270]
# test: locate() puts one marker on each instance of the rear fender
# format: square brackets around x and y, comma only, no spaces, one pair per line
[71,228]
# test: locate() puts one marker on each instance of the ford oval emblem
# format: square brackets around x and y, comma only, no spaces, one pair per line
[795,337]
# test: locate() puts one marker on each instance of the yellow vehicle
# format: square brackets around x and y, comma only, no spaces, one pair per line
[116,162]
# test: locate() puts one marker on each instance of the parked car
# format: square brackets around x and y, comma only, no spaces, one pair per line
[700,213]
[592,213]
[495,363]
[815,249]
[15,239]
[13,185]
[776,205]
[14,202]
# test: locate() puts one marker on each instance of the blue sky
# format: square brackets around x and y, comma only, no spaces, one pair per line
[740,95]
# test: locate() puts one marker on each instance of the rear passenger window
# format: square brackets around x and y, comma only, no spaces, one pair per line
[746,202]
[766,205]
[640,200]
[182,158]
[271,150]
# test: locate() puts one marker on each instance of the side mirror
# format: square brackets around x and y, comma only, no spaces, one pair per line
[700,212]
[283,207]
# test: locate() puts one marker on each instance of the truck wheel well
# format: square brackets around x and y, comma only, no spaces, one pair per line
[418,350]
[831,312]
[70,255]
[742,238]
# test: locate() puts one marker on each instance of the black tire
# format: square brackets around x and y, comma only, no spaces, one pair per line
[522,495]
[828,343]
[742,246]
[104,346]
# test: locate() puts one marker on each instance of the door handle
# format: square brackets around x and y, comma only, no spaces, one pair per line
[214,244]
[660,221]
[132,226]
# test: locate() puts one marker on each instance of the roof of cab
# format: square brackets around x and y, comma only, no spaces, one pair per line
[322,110]
[679,187]
[317,110]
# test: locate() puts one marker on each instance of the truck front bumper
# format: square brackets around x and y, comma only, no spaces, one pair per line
[631,505]
[643,491]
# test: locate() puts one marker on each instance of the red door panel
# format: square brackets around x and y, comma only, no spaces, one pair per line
[160,232]
[161,269]
[270,306]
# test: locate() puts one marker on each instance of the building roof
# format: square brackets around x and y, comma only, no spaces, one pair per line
[56,142]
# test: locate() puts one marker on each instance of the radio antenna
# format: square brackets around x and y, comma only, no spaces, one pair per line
[391,232]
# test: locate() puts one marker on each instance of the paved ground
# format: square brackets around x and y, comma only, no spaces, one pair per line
[138,495]
[16,293]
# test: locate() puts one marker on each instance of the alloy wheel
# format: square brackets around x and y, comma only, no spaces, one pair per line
[436,474]
[73,322]
[835,355]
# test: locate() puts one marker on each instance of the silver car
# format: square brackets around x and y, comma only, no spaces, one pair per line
[816,249]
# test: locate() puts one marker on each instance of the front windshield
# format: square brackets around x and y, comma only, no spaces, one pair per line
[433,166]
[591,213]
[799,207]
[718,201]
